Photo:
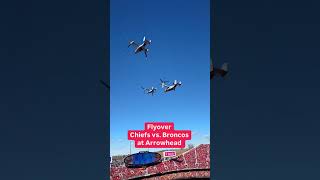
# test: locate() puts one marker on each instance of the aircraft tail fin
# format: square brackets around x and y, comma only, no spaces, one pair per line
[146,41]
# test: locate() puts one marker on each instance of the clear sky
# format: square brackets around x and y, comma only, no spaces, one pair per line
[180,50]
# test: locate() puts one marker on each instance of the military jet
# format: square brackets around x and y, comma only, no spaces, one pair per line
[151,90]
[172,87]
[141,47]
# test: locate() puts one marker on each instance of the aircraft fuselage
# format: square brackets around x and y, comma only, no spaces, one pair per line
[170,88]
[140,48]
[151,91]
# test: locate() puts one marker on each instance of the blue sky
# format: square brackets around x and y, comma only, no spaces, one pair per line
[180,49]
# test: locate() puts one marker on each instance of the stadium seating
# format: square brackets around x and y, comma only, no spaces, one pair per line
[195,158]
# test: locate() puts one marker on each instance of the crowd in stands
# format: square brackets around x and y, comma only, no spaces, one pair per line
[181,175]
[195,158]
[117,163]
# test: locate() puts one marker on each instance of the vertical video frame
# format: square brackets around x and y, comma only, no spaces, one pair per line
[160,89]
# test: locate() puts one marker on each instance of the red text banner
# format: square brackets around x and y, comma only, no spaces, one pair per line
[159,135]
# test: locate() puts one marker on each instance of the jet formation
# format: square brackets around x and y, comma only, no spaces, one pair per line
[214,72]
[166,88]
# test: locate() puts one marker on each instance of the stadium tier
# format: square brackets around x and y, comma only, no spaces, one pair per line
[192,163]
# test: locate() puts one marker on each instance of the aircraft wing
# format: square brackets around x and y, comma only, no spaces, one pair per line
[132,43]
[163,85]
